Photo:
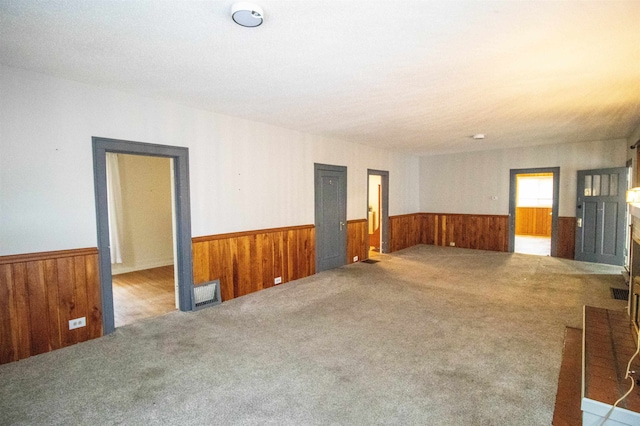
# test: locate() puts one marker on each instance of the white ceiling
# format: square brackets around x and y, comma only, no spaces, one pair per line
[415,76]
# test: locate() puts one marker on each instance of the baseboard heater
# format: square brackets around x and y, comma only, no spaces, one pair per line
[205,294]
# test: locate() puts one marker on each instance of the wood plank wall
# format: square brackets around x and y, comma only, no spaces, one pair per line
[40,293]
[405,231]
[246,262]
[357,240]
[533,221]
[484,232]
[566,237]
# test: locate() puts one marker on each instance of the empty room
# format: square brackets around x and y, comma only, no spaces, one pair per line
[314,212]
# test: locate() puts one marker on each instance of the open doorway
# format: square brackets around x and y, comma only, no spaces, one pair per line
[180,203]
[141,237]
[373,215]
[378,211]
[533,210]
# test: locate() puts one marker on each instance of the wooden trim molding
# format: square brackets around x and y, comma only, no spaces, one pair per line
[463,214]
[46,255]
[354,221]
[248,233]
[40,293]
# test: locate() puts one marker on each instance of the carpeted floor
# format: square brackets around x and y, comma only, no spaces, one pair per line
[427,336]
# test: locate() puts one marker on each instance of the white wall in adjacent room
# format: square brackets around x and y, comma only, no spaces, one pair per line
[469,182]
[146,210]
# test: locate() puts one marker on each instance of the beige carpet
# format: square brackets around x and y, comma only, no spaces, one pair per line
[427,336]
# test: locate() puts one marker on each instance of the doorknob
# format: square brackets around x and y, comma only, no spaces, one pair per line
[341,225]
[579,222]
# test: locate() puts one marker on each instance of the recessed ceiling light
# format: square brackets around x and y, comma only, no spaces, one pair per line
[247,14]
[478,136]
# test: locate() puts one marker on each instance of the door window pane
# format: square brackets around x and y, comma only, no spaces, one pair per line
[587,185]
[613,185]
[604,188]
[595,189]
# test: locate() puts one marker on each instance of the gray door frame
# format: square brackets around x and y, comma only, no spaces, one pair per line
[319,231]
[554,208]
[384,219]
[180,156]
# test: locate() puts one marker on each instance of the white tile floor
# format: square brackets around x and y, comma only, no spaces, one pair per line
[532,245]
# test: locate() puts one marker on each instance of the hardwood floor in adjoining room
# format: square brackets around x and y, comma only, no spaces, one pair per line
[143,294]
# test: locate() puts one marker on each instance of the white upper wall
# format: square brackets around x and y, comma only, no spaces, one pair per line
[244,175]
[468,182]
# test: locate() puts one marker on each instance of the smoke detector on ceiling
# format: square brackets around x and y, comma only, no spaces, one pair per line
[247,14]
[478,136]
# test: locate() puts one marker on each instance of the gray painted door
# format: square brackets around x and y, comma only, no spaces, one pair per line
[331,216]
[601,215]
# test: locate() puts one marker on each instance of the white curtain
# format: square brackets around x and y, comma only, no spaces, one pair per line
[114,205]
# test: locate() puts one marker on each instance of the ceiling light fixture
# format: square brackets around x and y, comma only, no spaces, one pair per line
[478,136]
[247,14]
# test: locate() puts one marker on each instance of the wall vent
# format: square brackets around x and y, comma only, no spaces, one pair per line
[205,294]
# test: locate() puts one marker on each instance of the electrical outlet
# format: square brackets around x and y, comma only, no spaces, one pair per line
[77,323]
[452,244]
[355,258]
[277,280]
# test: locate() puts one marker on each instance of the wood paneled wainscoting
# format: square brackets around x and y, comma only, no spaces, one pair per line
[566,237]
[40,293]
[357,240]
[246,262]
[474,231]
[483,232]
[406,230]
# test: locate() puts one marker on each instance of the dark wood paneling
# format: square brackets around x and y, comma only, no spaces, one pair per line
[405,231]
[484,232]
[8,317]
[38,308]
[55,328]
[22,309]
[94,302]
[40,293]
[246,262]
[566,237]
[533,221]
[357,240]
[66,301]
